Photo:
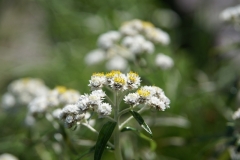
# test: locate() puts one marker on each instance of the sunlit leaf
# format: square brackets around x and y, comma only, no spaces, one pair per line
[140,120]
[103,137]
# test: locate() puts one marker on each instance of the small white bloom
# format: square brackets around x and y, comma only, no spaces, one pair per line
[157,35]
[107,40]
[119,82]
[94,100]
[156,103]
[38,105]
[164,61]
[7,156]
[132,99]
[148,47]
[56,113]
[8,100]
[236,114]
[99,93]
[71,115]
[117,63]
[131,28]
[104,109]
[83,102]
[133,80]
[97,81]
[69,97]
[95,56]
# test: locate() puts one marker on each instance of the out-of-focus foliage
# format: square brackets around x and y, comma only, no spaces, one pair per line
[48,39]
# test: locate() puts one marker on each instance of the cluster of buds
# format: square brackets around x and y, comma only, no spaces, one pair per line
[133,39]
[118,82]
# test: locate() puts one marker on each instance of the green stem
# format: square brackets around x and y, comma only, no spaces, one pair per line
[117,151]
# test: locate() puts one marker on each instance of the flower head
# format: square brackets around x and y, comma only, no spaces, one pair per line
[104,109]
[97,81]
[132,99]
[71,115]
[133,80]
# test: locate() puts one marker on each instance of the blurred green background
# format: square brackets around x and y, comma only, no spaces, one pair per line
[48,39]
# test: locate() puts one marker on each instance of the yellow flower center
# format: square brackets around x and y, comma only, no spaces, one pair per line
[132,76]
[143,93]
[98,74]
[119,80]
[147,24]
[61,89]
[112,74]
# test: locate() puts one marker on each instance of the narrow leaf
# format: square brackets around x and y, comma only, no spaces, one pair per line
[86,153]
[140,120]
[103,137]
[153,144]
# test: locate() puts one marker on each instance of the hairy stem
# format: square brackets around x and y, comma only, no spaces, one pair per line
[118,154]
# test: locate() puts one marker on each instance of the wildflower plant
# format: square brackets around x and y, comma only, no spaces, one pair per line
[124,87]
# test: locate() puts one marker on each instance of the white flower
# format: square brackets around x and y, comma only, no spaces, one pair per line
[107,40]
[157,35]
[156,103]
[95,100]
[104,109]
[132,99]
[119,82]
[236,114]
[133,80]
[99,93]
[95,57]
[143,94]
[164,61]
[7,156]
[83,102]
[97,81]
[8,100]
[38,105]
[71,115]
[69,97]
[56,113]
[154,91]
[231,13]
[117,63]
[148,47]
[131,27]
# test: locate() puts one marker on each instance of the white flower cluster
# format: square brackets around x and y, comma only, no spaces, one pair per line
[115,80]
[149,95]
[51,102]
[231,14]
[22,91]
[94,101]
[134,38]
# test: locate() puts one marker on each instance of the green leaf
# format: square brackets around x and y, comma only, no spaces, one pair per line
[103,137]
[153,144]
[86,153]
[140,120]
